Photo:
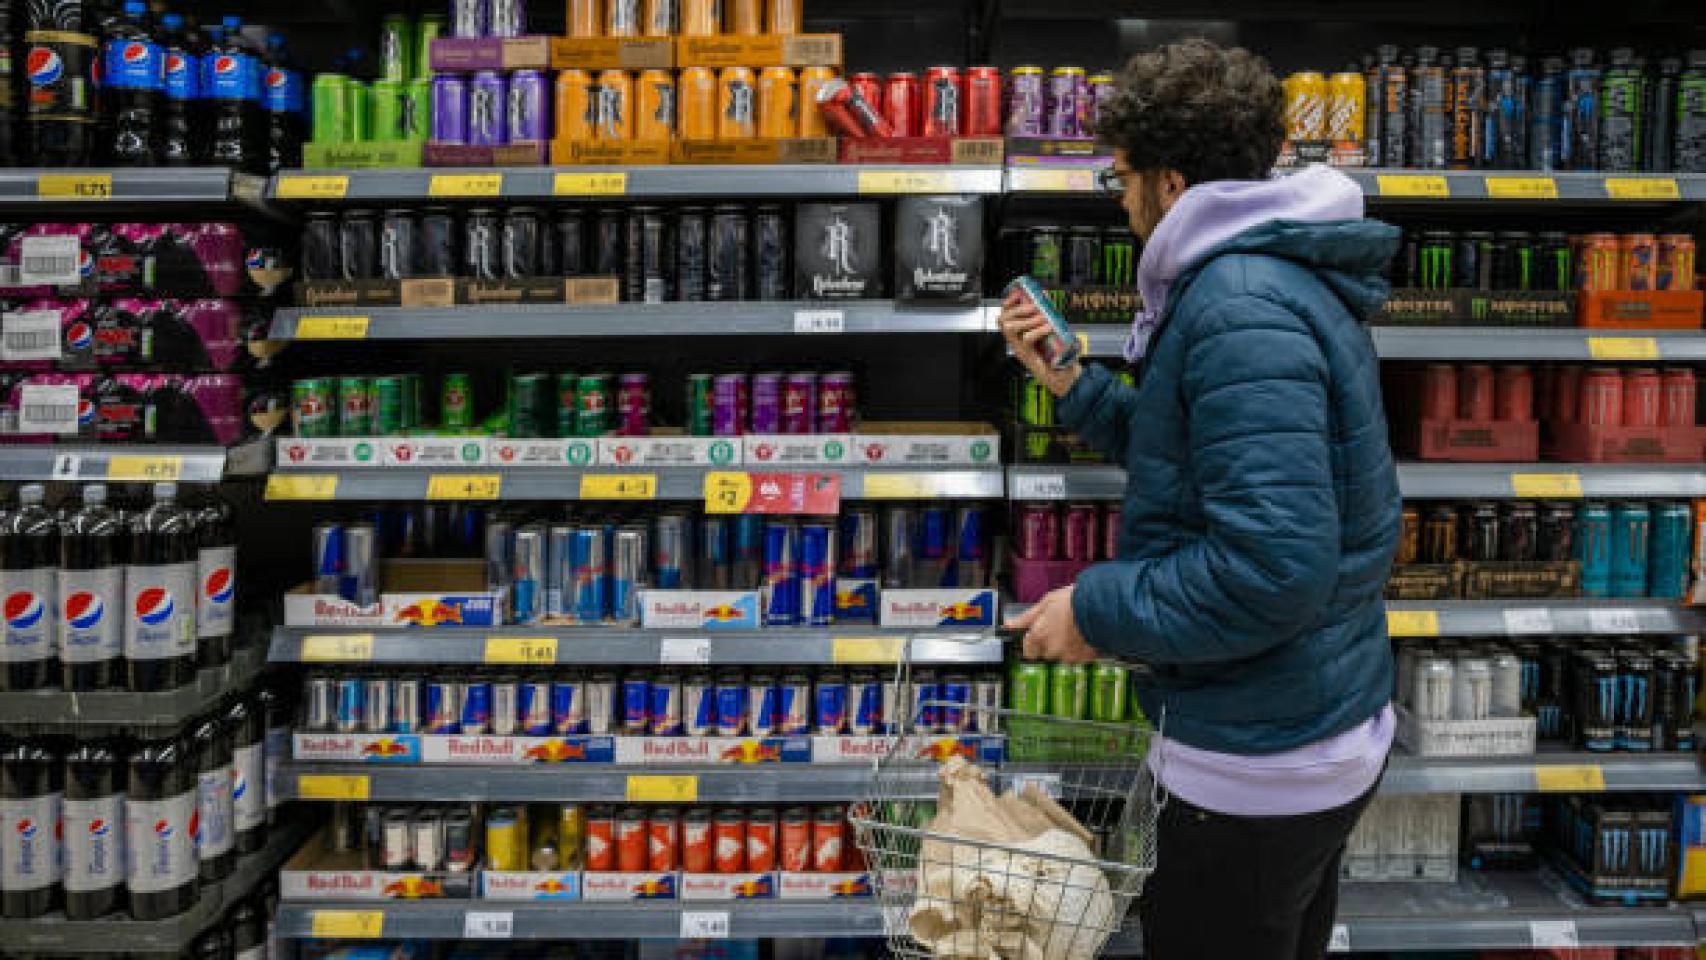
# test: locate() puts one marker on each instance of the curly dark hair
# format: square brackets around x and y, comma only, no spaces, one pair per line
[1208,112]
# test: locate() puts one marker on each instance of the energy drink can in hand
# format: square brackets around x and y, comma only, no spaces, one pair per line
[1060,349]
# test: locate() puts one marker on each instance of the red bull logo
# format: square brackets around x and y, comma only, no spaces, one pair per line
[555,751]
[856,887]
[430,613]
[552,889]
[662,888]
[723,613]
[385,747]
[751,751]
[759,888]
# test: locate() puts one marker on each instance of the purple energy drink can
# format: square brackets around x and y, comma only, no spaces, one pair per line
[728,411]
[469,18]
[835,402]
[1063,111]
[799,403]
[449,109]
[817,573]
[781,574]
[526,118]
[568,707]
[487,99]
[767,403]
[506,18]
[1026,97]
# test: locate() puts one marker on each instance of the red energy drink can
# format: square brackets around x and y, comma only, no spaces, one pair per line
[728,834]
[799,403]
[1475,392]
[869,87]
[829,839]
[836,399]
[1643,397]
[697,842]
[600,840]
[1514,394]
[901,104]
[795,841]
[631,840]
[1439,392]
[1680,389]
[1638,261]
[1602,398]
[1110,533]
[943,106]
[983,102]
[1039,531]
[761,841]
[663,840]
[848,113]
[1676,262]
[1078,532]
[1566,394]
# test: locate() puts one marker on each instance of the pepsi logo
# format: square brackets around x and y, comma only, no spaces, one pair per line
[84,610]
[43,66]
[277,79]
[163,829]
[176,64]
[134,53]
[85,411]
[79,336]
[23,610]
[254,259]
[154,606]
[27,829]
[99,828]
[225,66]
[239,784]
[219,585]
[85,263]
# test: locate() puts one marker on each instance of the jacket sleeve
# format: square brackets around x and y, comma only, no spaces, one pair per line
[1255,389]
[1099,408]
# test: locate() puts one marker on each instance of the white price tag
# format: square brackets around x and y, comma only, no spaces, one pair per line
[688,650]
[488,926]
[1614,621]
[1528,620]
[1340,941]
[47,408]
[49,261]
[1048,783]
[1039,486]
[819,321]
[1553,933]
[706,925]
[67,466]
[30,335]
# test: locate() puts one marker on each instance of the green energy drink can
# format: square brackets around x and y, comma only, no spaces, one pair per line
[359,110]
[331,98]
[355,407]
[699,404]
[311,408]
[1119,258]
[388,400]
[567,386]
[415,123]
[396,61]
[1045,254]
[456,401]
[592,405]
[1036,403]
[1028,688]
[1069,691]
[427,29]
[385,102]
[1109,692]
[527,397]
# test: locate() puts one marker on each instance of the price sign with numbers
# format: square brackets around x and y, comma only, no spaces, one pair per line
[465,486]
[521,650]
[905,181]
[1053,181]
[1412,623]
[1544,934]
[619,486]
[773,493]
[331,328]
[1575,778]
[145,469]
[75,186]
[1414,185]
[1616,620]
[347,924]
[1522,188]
[1642,188]
[488,925]
[302,486]
[705,925]
[1528,620]
[866,649]
[311,188]
[1623,348]
[590,184]
[820,321]
[652,788]
[67,466]
[321,786]
[1546,485]
[685,650]
[337,647]
[466,185]
[1039,486]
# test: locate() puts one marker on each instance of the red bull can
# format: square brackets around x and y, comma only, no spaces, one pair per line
[829,703]
[636,706]
[954,691]
[971,548]
[793,705]
[441,708]
[859,551]
[533,716]
[666,706]
[699,705]
[600,691]
[926,701]
[328,558]
[319,703]
[734,703]
[984,716]
[589,573]
[568,707]
[504,694]
[763,705]
[817,573]
[476,703]
[350,706]
[406,705]
[781,574]
[670,551]
[746,551]
[865,702]
[628,555]
[894,706]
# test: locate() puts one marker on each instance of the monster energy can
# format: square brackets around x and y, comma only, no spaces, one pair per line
[1044,254]
[1036,403]
[1069,691]
[1434,259]
[1028,688]
[1119,258]
[1110,687]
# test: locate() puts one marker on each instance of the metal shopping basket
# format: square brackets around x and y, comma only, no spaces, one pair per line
[1009,901]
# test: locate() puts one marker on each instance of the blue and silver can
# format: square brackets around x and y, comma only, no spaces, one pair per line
[699,705]
[320,704]
[441,707]
[328,558]
[666,705]
[636,705]
[505,701]
[734,703]
[628,555]
[406,705]
[817,573]
[533,708]
[764,705]
[781,574]
[864,703]
[361,565]
[475,700]
[829,703]
[568,707]
[589,573]
[746,551]
[794,705]
[1631,534]
[671,552]
[714,568]
[557,569]
[351,705]
[527,582]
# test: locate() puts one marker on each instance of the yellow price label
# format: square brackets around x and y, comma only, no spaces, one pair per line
[157,469]
[325,786]
[727,491]
[347,924]
[1642,188]
[525,651]
[302,486]
[1522,188]
[866,649]
[1587,778]
[1412,623]
[331,328]
[336,647]
[466,185]
[1623,348]
[619,486]
[1543,485]
[312,188]
[1055,181]
[661,789]
[75,186]
[905,181]
[465,486]
[1414,185]
[590,184]
[896,486]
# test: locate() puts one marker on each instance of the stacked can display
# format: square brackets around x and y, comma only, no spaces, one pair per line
[1548,260]
[489,108]
[1063,102]
[398,104]
[944,102]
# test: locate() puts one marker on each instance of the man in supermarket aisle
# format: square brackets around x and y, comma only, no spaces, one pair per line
[1261,511]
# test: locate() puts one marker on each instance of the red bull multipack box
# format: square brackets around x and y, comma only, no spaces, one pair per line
[947,607]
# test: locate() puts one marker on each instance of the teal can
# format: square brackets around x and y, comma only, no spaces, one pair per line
[1631,539]
[1672,546]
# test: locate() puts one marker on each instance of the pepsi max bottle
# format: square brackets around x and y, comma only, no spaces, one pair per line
[216,575]
[60,56]
[284,99]
[94,831]
[91,594]
[275,718]
[180,104]
[160,591]
[213,839]
[31,788]
[245,728]
[133,72]
[159,815]
[29,571]
[231,84]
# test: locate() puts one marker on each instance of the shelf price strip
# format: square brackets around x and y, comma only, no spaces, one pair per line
[866,649]
[1522,188]
[312,188]
[337,648]
[332,328]
[1546,485]
[527,651]
[1543,934]
[1580,778]
[619,486]
[316,486]
[655,788]
[590,185]
[1642,188]
[465,486]
[494,925]
[1623,348]
[347,924]
[466,185]
[322,786]
[1414,185]
[1412,623]
[75,186]
[705,925]
[145,469]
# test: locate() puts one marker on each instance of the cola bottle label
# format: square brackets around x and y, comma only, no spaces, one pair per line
[213,836]
[133,64]
[160,840]
[91,625]
[29,843]
[160,602]
[27,598]
[216,571]
[94,844]
[248,788]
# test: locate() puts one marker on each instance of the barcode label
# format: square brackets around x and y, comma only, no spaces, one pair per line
[49,261]
[47,408]
[11,275]
[29,335]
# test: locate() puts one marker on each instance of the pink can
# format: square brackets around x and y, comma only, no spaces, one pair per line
[1678,408]
[1602,398]
[1475,392]
[1078,533]
[1110,533]
[836,400]
[1515,394]
[1039,531]
[1643,396]
[634,405]
[1566,395]
[799,403]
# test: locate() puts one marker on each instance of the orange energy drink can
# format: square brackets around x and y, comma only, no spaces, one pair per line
[746,17]
[1306,106]
[654,114]
[586,18]
[663,841]
[812,80]
[600,840]
[576,110]
[613,115]
[778,104]
[701,18]
[1676,262]
[736,107]
[621,18]
[785,17]
[631,840]
[1347,99]
[1598,262]
[696,104]
[658,19]
[1638,261]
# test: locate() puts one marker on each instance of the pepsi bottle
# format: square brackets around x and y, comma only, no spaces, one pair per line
[133,72]
[60,54]
[214,844]
[91,594]
[160,590]
[31,788]
[284,97]
[248,932]
[231,83]
[94,831]
[159,815]
[245,727]
[216,575]
[181,102]
[29,571]
[275,715]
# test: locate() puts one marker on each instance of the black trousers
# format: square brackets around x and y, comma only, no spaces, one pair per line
[1250,888]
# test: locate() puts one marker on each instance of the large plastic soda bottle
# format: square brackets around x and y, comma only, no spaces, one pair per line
[245,726]
[284,97]
[213,839]
[91,594]
[275,716]
[59,55]
[181,140]
[216,573]
[160,595]
[159,820]
[29,571]
[94,831]
[230,73]
[133,72]
[31,788]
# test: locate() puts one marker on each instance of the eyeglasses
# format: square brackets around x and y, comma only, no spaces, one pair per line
[1108,180]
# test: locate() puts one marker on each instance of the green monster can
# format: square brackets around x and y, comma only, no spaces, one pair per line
[699,403]
[592,405]
[416,121]
[355,407]
[358,106]
[1036,403]
[568,385]
[1044,255]
[1028,688]
[311,408]
[456,402]
[1069,691]
[388,403]
[1109,692]
[385,102]
[427,29]
[331,98]
[527,397]
[395,49]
